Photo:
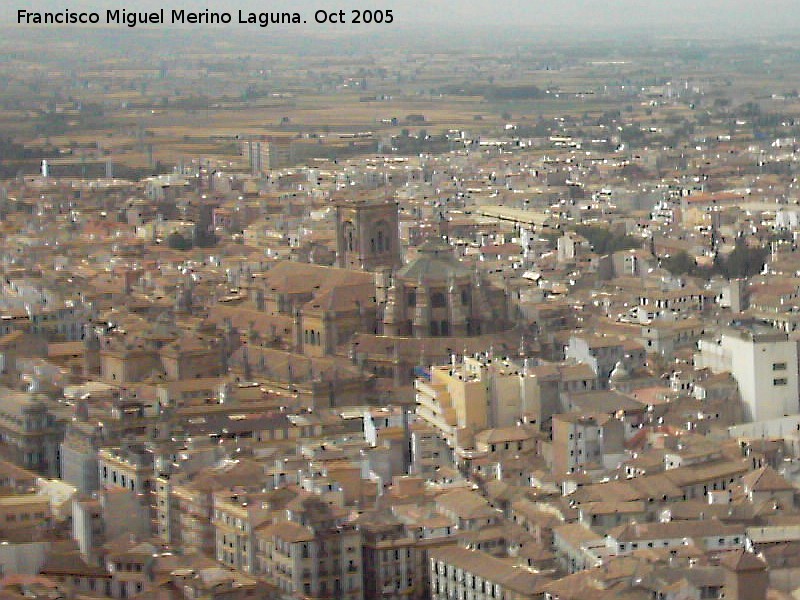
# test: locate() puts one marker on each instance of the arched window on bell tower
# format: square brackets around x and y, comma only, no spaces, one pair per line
[349,237]
[382,238]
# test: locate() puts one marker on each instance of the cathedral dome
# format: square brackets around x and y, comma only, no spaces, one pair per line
[434,262]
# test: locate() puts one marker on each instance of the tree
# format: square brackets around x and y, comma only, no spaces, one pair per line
[603,241]
[744,261]
[680,263]
[206,239]
[178,242]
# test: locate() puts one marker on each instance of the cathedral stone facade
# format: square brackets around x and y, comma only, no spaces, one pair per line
[367,235]
[424,310]
[435,295]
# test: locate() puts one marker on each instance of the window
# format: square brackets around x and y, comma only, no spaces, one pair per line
[779,366]
[780,381]
[438,300]
[350,242]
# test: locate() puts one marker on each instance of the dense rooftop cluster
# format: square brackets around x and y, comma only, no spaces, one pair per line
[549,362]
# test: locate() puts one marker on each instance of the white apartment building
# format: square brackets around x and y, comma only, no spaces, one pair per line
[763,362]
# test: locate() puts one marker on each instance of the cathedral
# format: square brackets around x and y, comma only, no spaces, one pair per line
[433,306]
[434,295]
[372,320]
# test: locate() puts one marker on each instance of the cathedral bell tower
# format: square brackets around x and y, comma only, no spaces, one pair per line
[367,234]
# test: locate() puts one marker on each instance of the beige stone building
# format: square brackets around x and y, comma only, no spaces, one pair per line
[237,516]
[461,573]
[315,553]
[195,503]
[31,431]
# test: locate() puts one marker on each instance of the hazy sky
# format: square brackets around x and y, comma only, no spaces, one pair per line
[697,15]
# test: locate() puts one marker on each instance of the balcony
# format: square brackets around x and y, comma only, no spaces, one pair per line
[426,389]
[437,420]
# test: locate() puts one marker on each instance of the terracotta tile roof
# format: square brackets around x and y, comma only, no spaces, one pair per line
[287,531]
[766,479]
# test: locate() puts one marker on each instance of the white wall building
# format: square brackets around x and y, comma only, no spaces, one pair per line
[763,362]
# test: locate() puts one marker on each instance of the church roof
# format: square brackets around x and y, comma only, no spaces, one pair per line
[435,261]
